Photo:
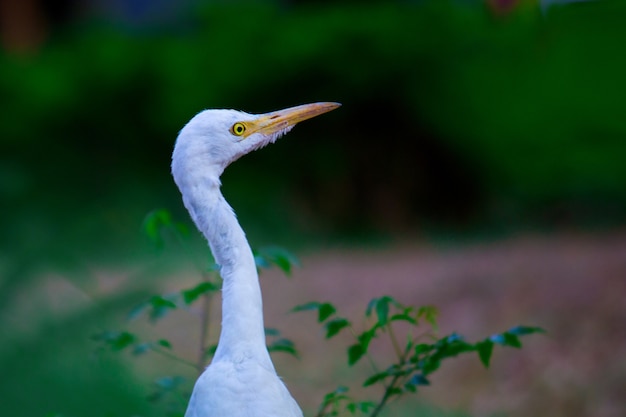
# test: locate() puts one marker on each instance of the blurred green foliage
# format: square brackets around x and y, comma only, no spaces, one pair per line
[450,114]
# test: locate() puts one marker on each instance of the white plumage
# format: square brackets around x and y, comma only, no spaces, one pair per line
[241,380]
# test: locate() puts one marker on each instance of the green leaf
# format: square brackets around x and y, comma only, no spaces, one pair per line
[423,348]
[506,339]
[160,306]
[283,263]
[120,340]
[182,228]
[365,406]
[157,221]
[158,301]
[341,389]
[261,262]
[169,383]
[212,266]
[394,391]
[280,257]
[355,352]
[512,340]
[137,310]
[382,310]
[141,348]
[164,343]
[445,347]
[419,379]
[410,387]
[429,313]
[485,349]
[382,306]
[210,350]
[454,337]
[380,376]
[398,370]
[524,330]
[403,317]
[371,306]
[362,406]
[313,305]
[450,346]
[192,294]
[123,340]
[283,345]
[429,365]
[334,326]
[366,337]
[335,395]
[324,310]
[270,331]
[415,381]
[154,222]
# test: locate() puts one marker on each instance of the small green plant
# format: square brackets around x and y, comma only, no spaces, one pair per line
[160,227]
[413,361]
[408,369]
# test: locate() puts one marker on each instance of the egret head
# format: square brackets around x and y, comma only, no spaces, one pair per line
[213,139]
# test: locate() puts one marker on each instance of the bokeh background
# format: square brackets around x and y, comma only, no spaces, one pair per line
[477,163]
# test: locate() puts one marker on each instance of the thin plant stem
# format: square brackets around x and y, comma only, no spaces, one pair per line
[367,354]
[389,388]
[386,396]
[172,356]
[321,411]
[394,342]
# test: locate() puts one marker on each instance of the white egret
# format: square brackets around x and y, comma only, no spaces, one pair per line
[241,380]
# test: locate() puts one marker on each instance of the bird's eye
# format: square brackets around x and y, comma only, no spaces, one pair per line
[238,129]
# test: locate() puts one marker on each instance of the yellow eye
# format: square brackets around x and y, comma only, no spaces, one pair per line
[238,129]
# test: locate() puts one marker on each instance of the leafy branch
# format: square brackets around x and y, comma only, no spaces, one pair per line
[161,229]
[413,364]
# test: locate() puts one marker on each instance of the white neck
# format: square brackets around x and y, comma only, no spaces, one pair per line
[243,334]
